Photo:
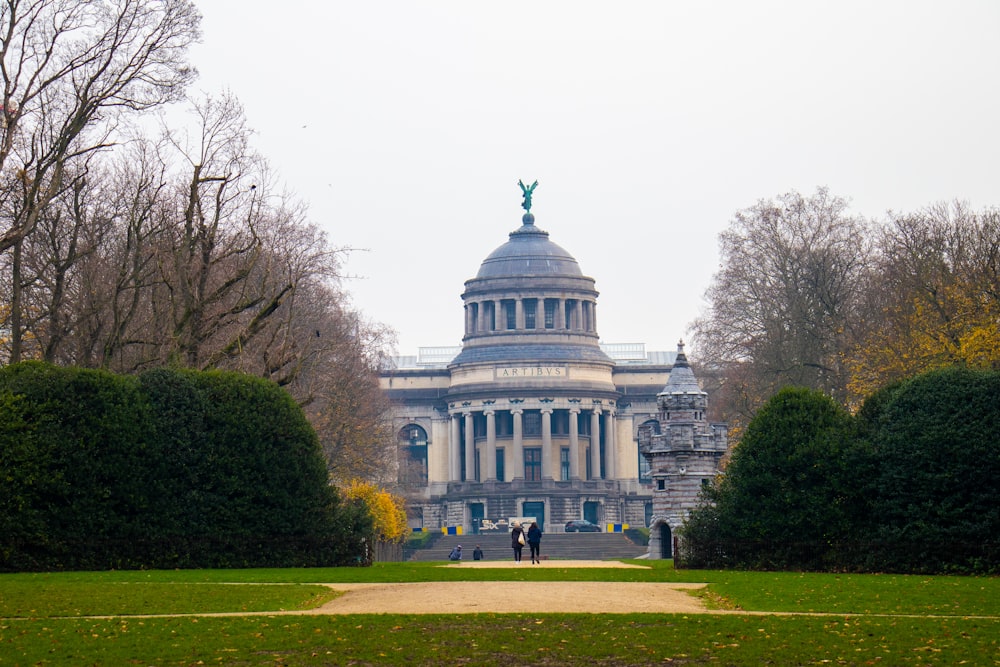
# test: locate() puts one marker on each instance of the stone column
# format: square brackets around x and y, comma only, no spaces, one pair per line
[546,443]
[454,457]
[595,443]
[517,456]
[560,314]
[609,444]
[491,445]
[519,312]
[574,443]
[470,449]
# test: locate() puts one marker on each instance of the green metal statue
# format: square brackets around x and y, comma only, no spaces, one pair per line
[527,190]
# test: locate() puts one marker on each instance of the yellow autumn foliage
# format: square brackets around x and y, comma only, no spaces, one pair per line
[958,326]
[388,511]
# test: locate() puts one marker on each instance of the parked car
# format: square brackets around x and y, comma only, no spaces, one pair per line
[582,526]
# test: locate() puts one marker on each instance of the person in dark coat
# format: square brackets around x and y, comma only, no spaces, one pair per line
[517,541]
[477,553]
[535,541]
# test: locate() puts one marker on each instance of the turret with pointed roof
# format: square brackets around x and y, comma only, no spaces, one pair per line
[684,455]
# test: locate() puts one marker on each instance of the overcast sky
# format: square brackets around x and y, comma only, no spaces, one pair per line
[405,125]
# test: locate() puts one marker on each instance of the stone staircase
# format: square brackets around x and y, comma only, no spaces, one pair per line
[556,546]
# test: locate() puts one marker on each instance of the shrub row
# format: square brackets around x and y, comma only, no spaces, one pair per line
[171,468]
[909,484]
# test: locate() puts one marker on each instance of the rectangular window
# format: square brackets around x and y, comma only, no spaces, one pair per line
[550,313]
[532,423]
[530,313]
[490,310]
[570,313]
[505,423]
[645,469]
[478,479]
[560,422]
[533,464]
[500,466]
[510,315]
[564,464]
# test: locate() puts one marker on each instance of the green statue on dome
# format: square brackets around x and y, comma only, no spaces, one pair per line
[527,190]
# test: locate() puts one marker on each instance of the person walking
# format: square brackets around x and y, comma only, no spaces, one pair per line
[517,541]
[477,553]
[535,542]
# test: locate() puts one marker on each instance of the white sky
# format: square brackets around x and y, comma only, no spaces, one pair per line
[406,124]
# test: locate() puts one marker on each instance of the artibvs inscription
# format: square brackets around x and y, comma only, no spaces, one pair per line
[519,372]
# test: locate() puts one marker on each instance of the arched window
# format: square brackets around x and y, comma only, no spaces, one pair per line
[412,441]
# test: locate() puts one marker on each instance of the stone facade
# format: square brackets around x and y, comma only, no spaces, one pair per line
[531,416]
[684,451]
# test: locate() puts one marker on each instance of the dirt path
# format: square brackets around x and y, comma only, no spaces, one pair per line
[468,597]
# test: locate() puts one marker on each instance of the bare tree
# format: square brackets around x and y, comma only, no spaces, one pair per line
[216,243]
[89,267]
[782,305]
[68,70]
[183,251]
[347,406]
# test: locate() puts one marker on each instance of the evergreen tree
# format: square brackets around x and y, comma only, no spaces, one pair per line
[788,498]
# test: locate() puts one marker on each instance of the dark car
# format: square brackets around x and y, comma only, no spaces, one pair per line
[582,526]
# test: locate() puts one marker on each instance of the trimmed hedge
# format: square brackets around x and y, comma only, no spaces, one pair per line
[936,438]
[911,484]
[173,468]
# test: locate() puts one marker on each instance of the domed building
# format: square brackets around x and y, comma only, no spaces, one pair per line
[532,416]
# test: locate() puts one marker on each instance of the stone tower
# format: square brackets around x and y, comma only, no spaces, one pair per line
[684,452]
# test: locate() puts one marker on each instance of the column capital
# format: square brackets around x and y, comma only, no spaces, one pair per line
[546,410]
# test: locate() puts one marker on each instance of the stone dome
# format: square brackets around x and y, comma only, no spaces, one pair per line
[529,252]
[530,303]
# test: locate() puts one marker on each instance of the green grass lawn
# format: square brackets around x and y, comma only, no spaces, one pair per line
[49,619]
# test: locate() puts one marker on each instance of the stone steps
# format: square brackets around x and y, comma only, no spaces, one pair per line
[562,546]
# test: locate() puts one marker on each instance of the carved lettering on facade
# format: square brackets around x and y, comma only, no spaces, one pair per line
[519,372]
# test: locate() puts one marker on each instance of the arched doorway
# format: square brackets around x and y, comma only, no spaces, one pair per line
[666,541]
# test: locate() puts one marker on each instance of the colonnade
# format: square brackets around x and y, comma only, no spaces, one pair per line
[478,428]
[529,314]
